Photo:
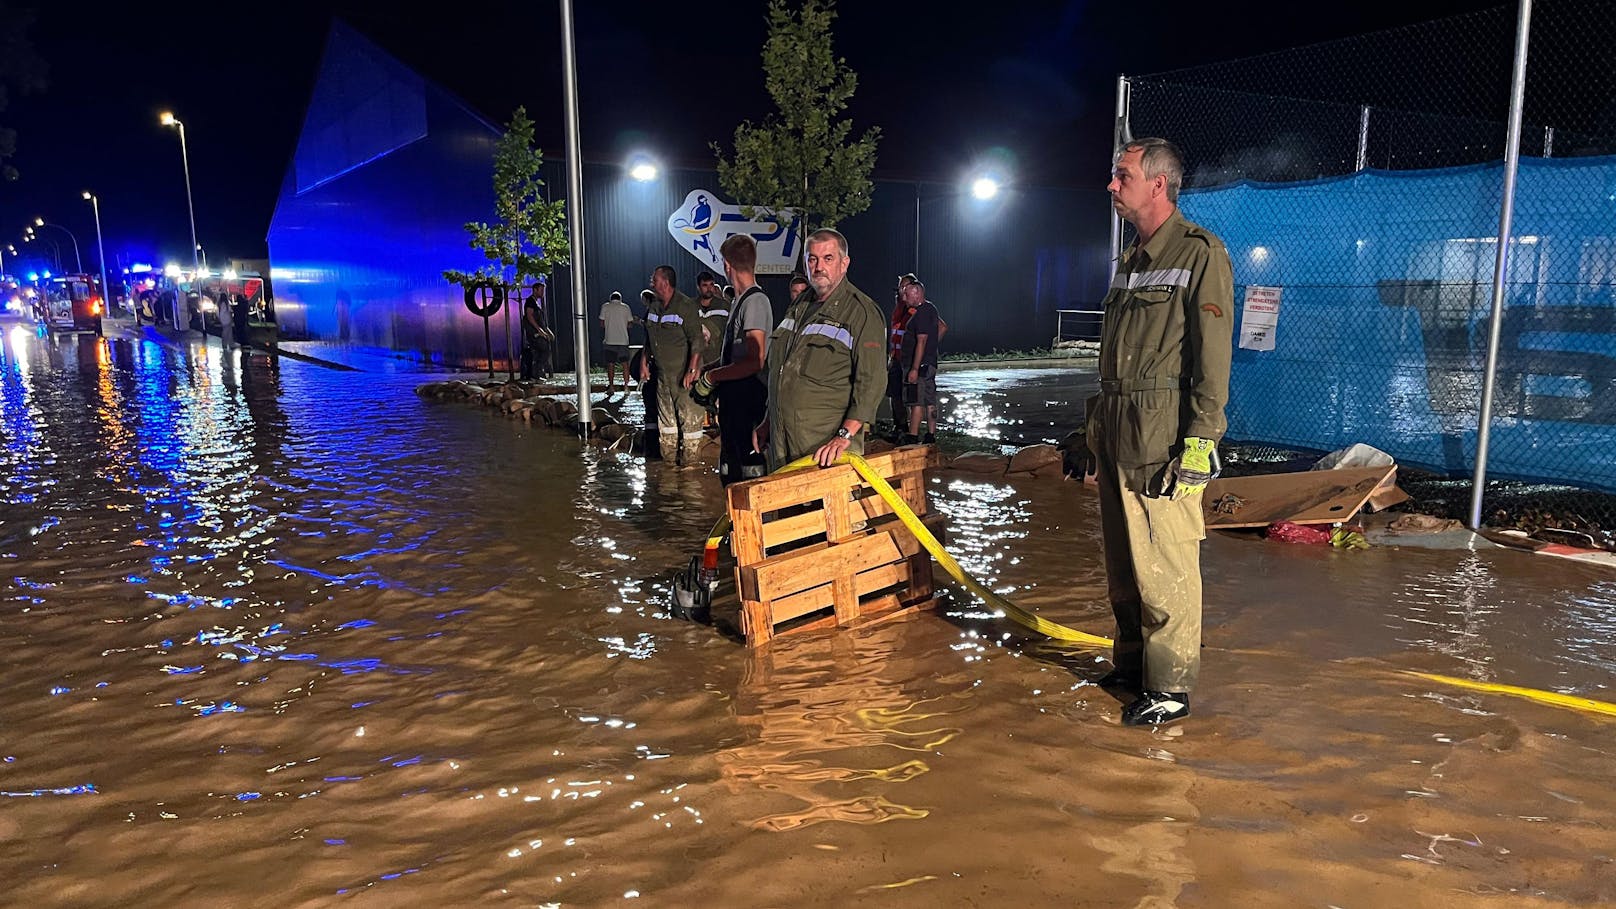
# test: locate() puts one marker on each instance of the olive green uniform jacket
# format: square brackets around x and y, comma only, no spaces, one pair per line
[671,333]
[827,363]
[1165,345]
[713,323]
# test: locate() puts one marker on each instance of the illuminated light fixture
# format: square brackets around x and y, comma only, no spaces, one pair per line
[984,188]
[230,274]
[39,222]
[172,270]
[166,118]
[1259,254]
[643,169]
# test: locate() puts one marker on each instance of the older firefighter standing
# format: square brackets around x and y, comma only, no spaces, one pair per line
[1153,429]
[827,363]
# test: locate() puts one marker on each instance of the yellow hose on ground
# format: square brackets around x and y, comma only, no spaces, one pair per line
[1056,631]
[1552,698]
[1028,620]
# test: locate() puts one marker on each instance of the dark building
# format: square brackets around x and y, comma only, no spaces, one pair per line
[389,167]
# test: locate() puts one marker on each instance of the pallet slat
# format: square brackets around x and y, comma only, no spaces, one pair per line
[866,566]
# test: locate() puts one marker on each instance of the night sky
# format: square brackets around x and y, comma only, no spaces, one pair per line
[1036,78]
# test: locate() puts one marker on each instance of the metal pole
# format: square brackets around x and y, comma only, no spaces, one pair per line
[1363,138]
[1512,160]
[101,256]
[1119,135]
[575,220]
[917,228]
[1548,141]
[190,207]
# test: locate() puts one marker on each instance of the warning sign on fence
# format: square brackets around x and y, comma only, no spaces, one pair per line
[1260,318]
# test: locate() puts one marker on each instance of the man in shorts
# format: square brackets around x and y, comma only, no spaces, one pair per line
[615,317]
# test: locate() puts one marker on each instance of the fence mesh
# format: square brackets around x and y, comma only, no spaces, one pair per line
[1363,179]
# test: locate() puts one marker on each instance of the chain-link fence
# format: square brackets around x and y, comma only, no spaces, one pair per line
[1358,186]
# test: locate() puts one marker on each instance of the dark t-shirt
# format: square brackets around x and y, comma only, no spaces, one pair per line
[922,322]
[532,312]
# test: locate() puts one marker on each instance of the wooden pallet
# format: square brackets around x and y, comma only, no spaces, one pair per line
[818,548]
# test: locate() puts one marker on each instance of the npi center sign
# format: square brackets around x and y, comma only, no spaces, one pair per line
[704,222]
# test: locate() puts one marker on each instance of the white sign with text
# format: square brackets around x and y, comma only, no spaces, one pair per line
[1260,318]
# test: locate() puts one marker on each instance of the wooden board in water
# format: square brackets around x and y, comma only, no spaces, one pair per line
[1308,497]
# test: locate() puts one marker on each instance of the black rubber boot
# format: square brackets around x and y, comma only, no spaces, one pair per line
[1154,708]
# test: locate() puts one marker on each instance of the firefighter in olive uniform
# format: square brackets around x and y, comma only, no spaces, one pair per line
[827,363]
[713,310]
[673,336]
[1153,428]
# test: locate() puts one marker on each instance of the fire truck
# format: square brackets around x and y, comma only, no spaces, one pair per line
[69,303]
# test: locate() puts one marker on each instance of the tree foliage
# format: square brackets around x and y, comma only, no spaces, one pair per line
[528,237]
[800,159]
[21,68]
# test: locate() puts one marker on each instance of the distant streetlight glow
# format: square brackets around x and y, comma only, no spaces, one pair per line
[985,188]
[172,270]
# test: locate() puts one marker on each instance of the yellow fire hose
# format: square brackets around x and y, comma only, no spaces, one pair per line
[1059,632]
[1028,620]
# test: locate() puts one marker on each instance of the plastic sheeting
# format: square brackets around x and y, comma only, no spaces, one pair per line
[1386,289]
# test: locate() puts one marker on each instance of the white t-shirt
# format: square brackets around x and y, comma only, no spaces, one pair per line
[615,315]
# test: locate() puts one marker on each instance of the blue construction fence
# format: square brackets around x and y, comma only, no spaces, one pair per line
[1384,283]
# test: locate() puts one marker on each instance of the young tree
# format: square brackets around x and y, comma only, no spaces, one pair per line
[529,237]
[799,159]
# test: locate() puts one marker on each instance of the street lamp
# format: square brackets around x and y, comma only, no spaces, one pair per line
[78,264]
[168,119]
[642,168]
[56,248]
[204,254]
[101,255]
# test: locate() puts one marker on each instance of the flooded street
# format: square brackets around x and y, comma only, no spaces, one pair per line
[279,635]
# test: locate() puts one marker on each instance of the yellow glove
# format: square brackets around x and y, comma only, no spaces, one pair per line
[1347,538]
[1194,467]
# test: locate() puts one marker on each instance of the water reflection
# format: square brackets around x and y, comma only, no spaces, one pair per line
[261,613]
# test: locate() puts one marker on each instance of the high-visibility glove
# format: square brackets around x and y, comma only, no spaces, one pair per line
[1347,538]
[1194,467]
[703,391]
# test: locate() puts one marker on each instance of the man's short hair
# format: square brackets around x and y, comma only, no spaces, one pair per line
[706,275]
[908,278]
[797,277]
[615,296]
[740,251]
[647,294]
[829,233]
[668,275]
[1159,157]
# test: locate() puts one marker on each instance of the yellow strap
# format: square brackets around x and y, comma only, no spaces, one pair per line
[1020,616]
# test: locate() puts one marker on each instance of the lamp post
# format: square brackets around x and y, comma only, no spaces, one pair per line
[56,249]
[78,264]
[168,119]
[101,255]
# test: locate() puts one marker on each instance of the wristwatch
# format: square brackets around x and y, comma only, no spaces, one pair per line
[842,433]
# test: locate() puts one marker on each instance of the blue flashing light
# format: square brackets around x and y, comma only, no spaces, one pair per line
[47,276]
[34,276]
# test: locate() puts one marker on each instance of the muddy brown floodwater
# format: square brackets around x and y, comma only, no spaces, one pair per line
[277,635]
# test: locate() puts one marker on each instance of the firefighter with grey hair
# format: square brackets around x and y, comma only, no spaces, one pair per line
[1152,431]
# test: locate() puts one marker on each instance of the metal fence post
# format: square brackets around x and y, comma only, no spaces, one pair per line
[1119,134]
[1512,160]
[1363,138]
